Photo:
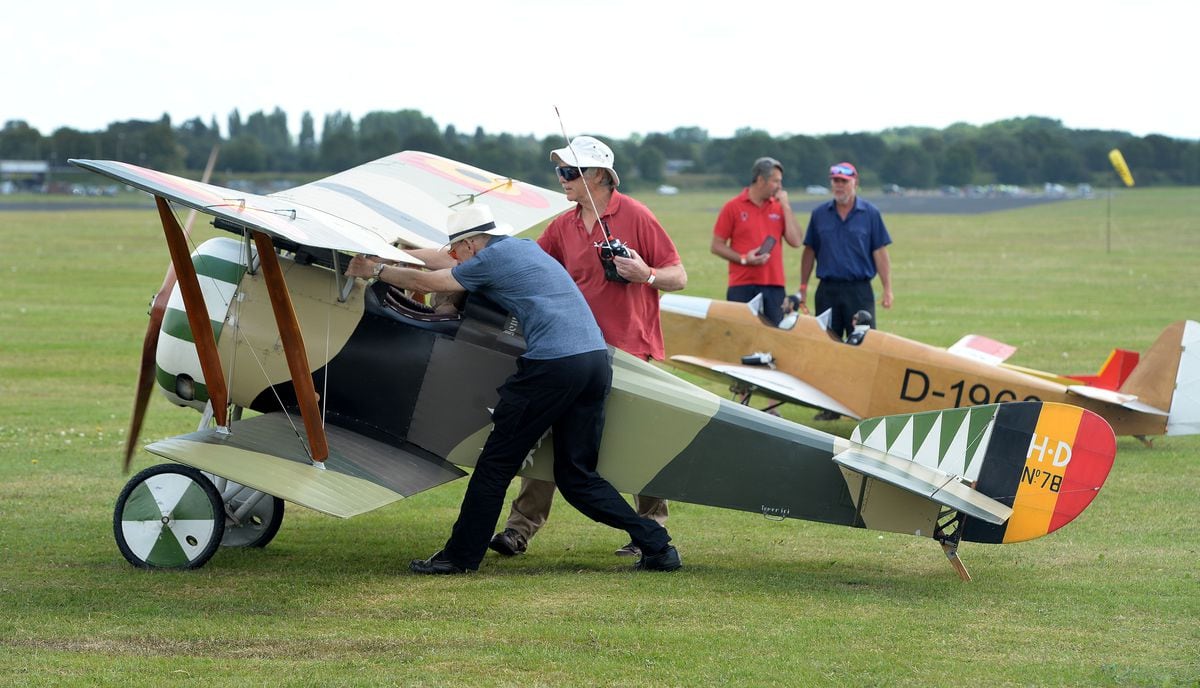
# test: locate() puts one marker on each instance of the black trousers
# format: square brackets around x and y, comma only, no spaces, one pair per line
[773,297]
[568,395]
[845,299]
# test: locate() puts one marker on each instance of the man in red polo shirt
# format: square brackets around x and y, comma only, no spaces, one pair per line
[749,233]
[627,311]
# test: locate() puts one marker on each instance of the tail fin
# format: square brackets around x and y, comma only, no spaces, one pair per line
[1114,372]
[1047,461]
[1168,377]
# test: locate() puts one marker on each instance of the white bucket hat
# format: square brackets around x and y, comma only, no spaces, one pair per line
[472,221]
[587,151]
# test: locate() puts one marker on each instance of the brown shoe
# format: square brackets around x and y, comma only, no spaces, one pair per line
[630,550]
[508,543]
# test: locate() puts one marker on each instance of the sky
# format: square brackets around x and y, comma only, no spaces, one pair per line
[612,68]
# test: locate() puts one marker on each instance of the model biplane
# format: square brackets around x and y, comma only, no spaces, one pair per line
[1155,394]
[360,396]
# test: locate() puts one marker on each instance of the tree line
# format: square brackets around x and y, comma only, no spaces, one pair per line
[1019,151]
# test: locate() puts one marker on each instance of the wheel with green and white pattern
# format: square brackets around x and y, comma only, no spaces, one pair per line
[169,517]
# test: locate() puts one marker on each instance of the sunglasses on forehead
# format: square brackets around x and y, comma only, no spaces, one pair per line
[569,173]
[841,169]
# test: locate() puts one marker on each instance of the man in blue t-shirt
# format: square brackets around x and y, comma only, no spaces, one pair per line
[562,381]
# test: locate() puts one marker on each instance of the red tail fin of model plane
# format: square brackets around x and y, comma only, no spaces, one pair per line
[1113,373]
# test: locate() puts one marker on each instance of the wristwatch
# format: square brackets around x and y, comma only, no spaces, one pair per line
[378,270]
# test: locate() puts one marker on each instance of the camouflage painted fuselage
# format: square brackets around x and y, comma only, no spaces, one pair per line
[406,397]
[427,384]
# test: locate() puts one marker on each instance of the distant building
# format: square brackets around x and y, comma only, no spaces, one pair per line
[676,166]
[23,174]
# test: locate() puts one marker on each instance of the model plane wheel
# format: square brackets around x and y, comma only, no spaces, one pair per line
[169,517]
[254,517]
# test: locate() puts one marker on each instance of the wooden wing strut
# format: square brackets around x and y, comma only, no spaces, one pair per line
[197,312]
[293,346]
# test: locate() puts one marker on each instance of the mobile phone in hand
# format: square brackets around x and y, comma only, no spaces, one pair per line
[767,245]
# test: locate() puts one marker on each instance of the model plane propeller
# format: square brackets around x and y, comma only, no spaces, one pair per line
[394,399]
[1155,394]
[158,307]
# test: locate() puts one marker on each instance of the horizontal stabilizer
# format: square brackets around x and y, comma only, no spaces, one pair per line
[936,485]
[1129,401]
[266,453]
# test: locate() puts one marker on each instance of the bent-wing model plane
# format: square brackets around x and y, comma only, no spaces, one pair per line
[1156,394]
[394,399]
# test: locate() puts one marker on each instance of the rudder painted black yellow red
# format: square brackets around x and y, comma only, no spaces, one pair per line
[1047,461]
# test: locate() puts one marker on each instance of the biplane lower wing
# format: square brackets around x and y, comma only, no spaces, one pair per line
[774,382]
[265,453]
[409,195]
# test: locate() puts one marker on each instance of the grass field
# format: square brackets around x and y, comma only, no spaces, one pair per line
[1111,600]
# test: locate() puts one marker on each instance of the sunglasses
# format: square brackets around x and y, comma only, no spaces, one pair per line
[841,169]
[568,174]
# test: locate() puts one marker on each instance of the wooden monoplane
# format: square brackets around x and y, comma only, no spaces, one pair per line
[1155,394]
[393,399]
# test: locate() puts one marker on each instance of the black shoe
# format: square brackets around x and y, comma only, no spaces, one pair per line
[827,415]
[509,543]
[666,560]
[438,564]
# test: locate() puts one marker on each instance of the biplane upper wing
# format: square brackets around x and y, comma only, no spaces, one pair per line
[775,382]
[400,199]
[302,225]
[266,454]
[407,197]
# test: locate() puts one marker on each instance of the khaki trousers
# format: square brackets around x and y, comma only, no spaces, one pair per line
[531,508]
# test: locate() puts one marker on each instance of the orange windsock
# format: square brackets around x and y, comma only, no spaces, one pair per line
[1118,163]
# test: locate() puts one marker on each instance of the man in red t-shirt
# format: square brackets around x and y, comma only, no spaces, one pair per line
[627,312]
[748,233]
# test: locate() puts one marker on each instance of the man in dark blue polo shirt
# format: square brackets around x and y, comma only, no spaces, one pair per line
[562,381]
[847,240]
